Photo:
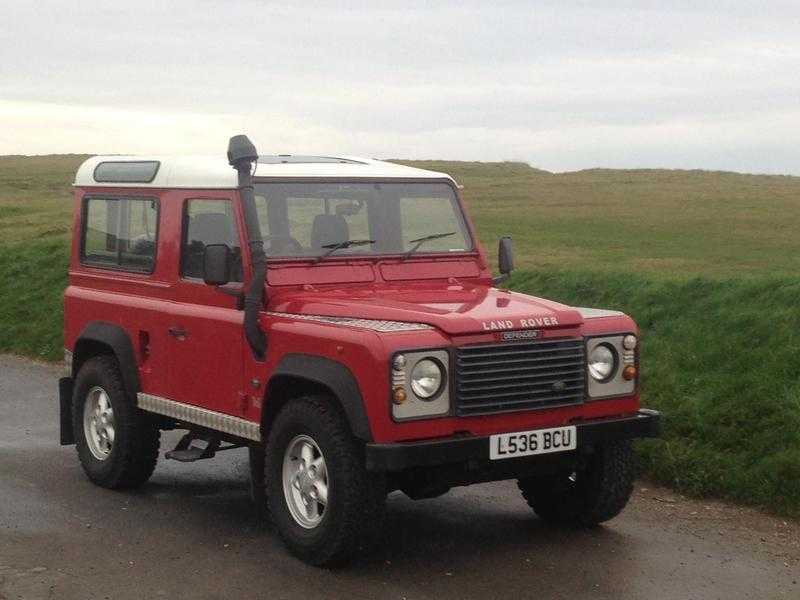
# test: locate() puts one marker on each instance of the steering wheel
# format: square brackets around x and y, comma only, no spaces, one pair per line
[296,246]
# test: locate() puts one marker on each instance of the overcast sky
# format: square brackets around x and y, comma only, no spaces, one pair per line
[562,85]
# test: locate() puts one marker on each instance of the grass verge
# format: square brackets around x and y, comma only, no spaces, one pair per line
[33,277]
[719,358]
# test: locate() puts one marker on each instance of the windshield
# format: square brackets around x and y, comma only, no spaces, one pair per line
[361,219]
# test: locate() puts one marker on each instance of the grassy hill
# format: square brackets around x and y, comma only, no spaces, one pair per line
[664,224]
[707,262]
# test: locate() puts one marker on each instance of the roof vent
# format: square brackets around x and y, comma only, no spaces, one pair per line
[129,171]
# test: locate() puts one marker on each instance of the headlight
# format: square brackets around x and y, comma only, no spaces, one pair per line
[426,378]
[420,387]
[602,362]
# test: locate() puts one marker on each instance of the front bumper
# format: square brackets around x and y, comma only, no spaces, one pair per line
[432,453]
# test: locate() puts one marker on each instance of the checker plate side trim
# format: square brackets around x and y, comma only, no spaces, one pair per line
[597,313]
[200,416]
[373,324]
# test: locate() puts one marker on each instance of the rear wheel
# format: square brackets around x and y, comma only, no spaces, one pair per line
[321,498]
[596,492]
[117,443]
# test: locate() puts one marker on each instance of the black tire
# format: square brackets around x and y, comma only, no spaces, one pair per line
[354,512]
[134,451]
[596,492]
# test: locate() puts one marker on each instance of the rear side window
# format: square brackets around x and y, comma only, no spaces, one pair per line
[207,222]
[120,233]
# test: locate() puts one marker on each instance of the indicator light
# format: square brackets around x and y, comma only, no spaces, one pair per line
[398,395]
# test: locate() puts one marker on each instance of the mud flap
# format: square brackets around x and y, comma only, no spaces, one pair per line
[65,402]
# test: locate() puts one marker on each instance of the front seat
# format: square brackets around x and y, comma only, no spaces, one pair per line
[329,229]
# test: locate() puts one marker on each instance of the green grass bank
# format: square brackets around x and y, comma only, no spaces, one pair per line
[720,359]
[707,263]
[35,213]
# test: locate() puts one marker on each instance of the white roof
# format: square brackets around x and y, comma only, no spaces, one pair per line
[214,172]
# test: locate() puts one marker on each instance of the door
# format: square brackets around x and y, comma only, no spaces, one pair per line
[205,326]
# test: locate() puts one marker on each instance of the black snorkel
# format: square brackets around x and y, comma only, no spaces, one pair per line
[241,156]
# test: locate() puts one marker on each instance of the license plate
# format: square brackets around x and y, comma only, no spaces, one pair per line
[530,443]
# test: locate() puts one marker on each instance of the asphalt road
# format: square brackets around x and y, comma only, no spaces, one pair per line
[191,532]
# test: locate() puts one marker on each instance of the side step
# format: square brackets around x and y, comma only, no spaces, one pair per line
[191,447]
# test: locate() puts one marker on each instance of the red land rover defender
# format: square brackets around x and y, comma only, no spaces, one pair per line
[337,316]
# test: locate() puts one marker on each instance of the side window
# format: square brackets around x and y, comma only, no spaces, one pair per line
[207,222]
[120,233]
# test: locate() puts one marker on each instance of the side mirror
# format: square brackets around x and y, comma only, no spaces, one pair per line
[505,259]
[217,264]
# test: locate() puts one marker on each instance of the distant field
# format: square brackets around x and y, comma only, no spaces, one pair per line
[665,224]
[706,262]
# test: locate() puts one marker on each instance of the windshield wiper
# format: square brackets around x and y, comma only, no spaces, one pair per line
[331,248]
[419,241]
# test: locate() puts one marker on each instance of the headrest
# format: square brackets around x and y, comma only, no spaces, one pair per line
[211,228]
[329,229]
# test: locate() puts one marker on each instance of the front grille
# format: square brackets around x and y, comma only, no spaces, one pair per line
[493,378]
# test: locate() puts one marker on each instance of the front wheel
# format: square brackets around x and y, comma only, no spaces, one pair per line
[597,491]
[321,498]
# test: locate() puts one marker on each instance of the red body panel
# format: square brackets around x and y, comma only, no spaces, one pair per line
[211,365]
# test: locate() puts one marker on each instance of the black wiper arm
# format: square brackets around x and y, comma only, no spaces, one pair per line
[331,248]
[419,241]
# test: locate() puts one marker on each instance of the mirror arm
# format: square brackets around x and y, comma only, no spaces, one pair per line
[235,292]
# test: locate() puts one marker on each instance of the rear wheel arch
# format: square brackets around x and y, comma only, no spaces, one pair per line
[103,338]
[299,375]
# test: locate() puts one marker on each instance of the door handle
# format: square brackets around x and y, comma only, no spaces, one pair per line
[177,332]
